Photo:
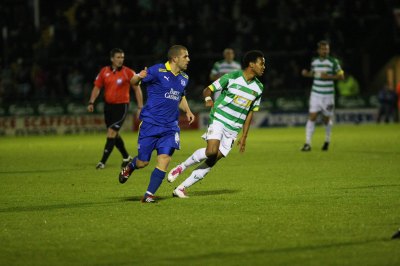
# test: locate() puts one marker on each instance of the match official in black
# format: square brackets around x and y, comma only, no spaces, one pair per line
[116,81]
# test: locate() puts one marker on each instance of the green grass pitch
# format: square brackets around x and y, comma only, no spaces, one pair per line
[272,205]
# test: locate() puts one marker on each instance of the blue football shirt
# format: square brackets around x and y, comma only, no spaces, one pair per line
[164,93]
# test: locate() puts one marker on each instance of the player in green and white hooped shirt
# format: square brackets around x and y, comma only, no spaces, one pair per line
[325,70]
[233,110]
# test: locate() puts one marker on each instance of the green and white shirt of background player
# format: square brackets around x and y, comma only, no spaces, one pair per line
[322,97]
[221,68]
[230,110]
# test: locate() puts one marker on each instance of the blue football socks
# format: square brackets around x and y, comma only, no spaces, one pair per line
[132,164]
[156,179]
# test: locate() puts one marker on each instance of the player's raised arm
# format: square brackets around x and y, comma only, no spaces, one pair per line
[138,77]
[207,92]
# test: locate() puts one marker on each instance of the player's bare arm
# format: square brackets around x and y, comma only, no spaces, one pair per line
[246,126]
[184,106]
[139,98]
[138,77]
[207,93]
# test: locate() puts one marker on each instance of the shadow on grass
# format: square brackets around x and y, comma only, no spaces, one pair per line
[76,205]
[194,193]
[37,171]
[55,206]
[213,192]
[115,200]
[229,255]
[138,198]
[372,186]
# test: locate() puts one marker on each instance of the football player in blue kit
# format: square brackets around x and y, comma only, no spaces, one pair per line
[159,129]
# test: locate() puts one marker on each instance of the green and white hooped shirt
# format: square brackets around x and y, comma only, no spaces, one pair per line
[237,98]
[329,65]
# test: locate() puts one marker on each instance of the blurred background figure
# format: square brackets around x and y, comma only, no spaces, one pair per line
[7,84]
[324,71]
[227,65]
[349,86]
[387,104]
[22,79]
[75,84]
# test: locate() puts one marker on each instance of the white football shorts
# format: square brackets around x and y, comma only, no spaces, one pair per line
[323,104]
[226,137]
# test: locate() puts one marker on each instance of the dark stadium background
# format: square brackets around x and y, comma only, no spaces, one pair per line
[51,51]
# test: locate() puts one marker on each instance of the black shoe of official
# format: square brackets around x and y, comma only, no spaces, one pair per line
[325,147]
[100,166]
[396,235]
[125,174]
[306,147]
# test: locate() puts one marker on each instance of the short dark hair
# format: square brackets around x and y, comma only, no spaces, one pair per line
[116,51]
[322,43]
[251,57]
[175,50]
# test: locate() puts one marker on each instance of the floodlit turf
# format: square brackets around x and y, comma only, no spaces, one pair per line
[273,205]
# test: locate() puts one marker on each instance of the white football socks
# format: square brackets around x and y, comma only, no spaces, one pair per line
[310,127]
[198,156]
[328,131]
[198,174]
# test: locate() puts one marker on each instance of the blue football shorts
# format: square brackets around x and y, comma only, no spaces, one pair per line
[154,137]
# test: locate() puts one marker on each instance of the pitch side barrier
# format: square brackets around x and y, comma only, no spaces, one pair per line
[94,123]
[285,119]
[73,119]
[68,124]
